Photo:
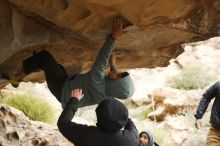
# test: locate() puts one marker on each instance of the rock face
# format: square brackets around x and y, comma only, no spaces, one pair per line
[74,30]
[17,130]
[175,100]
[158,115]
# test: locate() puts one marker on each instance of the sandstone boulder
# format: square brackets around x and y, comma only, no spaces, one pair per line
[74,30]
[175,100]
[16,130]
[158,115]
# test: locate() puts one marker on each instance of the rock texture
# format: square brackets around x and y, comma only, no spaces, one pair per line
[158,115]
[175,100]
[169,101]
[17,130]
[74,30]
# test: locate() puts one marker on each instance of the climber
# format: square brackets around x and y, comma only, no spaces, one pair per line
[146,139]
[96,85]
[112,116]
[213,137]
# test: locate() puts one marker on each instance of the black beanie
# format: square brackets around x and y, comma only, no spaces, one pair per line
[112,115]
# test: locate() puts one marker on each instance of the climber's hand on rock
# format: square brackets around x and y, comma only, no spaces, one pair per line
[117,27]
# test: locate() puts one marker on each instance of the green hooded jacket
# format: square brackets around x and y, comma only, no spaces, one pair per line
[95,85]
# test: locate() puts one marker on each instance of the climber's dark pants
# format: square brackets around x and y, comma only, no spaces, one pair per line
[54,72]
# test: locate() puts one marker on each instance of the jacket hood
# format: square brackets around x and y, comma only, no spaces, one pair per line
[120,88]
[112,115]
[150,138]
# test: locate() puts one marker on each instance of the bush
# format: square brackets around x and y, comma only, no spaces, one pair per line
[34,108]
[146,112]
[193,77]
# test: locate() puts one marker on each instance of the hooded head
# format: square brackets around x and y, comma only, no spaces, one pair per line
[112,115]
[121,88]
[146,139]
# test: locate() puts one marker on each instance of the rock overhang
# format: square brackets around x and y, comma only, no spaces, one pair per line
[73,31]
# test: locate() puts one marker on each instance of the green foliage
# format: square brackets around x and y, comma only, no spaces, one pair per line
[192,77]
[146,112]
[34,108]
